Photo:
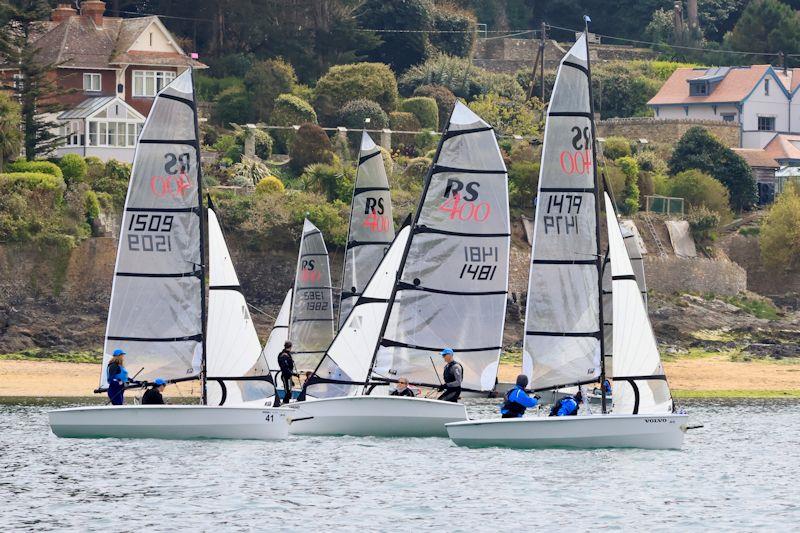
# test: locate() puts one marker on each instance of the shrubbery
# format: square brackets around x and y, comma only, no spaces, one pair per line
[264,82]
[355,112]
[444,97]
[523,181]
[310,145]
[73,168]
[343,83]
[461,77]
[630,169]
[703,223]
[616,147]
[37,167]
[458,29]
[28,204]
[506,116]
[290,110]
[780,232]
[232,106]
[698,189]
[263,142]
[424,108]
[269,185]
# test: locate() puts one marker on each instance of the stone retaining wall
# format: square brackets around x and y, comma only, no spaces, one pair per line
[673,274]
[666,130]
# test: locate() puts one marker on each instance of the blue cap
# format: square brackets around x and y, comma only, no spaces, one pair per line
[119,352]
[447,351]
[160,381]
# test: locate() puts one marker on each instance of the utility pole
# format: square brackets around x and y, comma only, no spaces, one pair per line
[538,64]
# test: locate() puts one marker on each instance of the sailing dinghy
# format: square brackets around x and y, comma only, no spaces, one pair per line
[442,283]
[564,336]
[157,312]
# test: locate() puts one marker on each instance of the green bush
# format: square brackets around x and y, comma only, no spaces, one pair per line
[229,148]
[113,180]
[91,206]
[29,204]
[263,142]
[37,167]
[290,110]
[417,168]
[402,121]
[616,147]
[73,168]
[698,189]
[507,116]
[523,181]
[264,82]
[458,29]
[344,83]
[248,173]
[236,64]
[444,97]
[630,193]
[355,112]
[703,223]
[270,185]
[232,106]
[310,145]
[321,178]
[208,88]
[425,109]
[461,77]
[649,161]
[780,232]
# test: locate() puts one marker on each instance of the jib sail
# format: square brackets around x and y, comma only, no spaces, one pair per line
[279,334]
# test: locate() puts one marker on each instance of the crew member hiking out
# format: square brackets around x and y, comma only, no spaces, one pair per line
[517,400]
[117,377]
[152,396]
[286,363]
[452,375]
[567,406]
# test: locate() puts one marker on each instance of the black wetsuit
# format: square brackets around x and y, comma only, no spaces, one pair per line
[286,363]
[152,396]
[404,392]
[453,374]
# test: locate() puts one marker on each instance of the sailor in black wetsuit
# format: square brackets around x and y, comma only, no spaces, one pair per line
[286,364]
[452,375]
[152,396]
[402,389]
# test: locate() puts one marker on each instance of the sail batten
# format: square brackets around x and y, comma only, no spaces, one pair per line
[371,228]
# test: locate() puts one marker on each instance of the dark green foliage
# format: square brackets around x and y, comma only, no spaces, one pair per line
[767,26]
[233,106]
[310,145]
[110,178]
[73,168]
[700,150]
[703,223]
[236,65]
[91,206]
[263,142]
[523,180]
[403,121]
[630,193]
[208,88]
[290,110]
[264,82]
[355,112]
[616,147]
[461,77]
[27,203]
[424,108]
[229,148]
[444,97]
[400,50]
[343,83]
[463,25]
[699,189]
[10,137]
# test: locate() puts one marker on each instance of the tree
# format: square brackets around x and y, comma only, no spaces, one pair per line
[630,193]
[265,81]
[780,232]
[767,26]
[343,83]
[508,117]
[310,145]
[10,137]
[698,189]
[458,30]
[401,49]
[37,89]
[700,150]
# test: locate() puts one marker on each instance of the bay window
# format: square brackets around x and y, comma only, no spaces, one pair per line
[113,133]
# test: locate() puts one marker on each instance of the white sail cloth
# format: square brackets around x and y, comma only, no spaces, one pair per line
[371,229]
[311,320]
[562,321]
[451,291]
[349,357]
[640,386]
[156,308]
[233,348]
[278,335]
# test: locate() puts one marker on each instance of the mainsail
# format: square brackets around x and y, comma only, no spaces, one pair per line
[371,225]
[345,368]
[640,386]
[563,329]
[279,334]
[157,313]
[233,348]
[311,319]
[452,285]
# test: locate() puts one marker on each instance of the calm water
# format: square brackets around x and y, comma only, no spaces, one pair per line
[740,472]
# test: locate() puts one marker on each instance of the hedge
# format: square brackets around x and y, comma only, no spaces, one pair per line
[444,97]
[74,168]
[343,83]
[425,109]
[44,167]
[310,145]
[290,110]
[354,112]
[31,181]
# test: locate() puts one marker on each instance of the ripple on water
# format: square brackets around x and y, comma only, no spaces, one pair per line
[738,473]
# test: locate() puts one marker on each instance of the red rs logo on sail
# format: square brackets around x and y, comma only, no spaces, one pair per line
[176,182]
[464,208]
[579,159]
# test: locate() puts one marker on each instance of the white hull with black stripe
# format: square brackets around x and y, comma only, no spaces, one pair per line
[172,422]
[375,416]
[657,432]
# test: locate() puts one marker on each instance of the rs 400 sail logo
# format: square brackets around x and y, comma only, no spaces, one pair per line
[175,183]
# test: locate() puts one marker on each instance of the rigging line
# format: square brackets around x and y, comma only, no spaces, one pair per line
[261,311]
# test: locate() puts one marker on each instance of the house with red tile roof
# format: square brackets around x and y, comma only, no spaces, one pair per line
[114,68]
[759,98]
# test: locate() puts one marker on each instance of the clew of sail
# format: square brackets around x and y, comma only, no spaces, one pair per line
[349,357]
[311,318]
[279,334]
[562,342]
[640,386]
[451,291]
[233,348]
[156,309]
[371,225]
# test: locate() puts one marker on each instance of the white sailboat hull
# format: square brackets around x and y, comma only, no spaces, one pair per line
[172,422]
[593,431]
[376,416]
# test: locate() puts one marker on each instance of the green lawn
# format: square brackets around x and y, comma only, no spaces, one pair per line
[37,354]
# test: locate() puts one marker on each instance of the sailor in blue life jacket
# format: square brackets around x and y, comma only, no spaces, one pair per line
[567,406]
[517,400]
[607,387]
[452,375]
[117,377]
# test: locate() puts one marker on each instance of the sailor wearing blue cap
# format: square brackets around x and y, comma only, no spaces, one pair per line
[117,377]
[452,376]
[152,396]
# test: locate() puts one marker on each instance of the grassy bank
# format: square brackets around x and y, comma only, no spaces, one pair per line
[36,354]
[753,394]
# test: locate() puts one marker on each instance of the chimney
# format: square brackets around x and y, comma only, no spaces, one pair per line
[62,12]
[93,9]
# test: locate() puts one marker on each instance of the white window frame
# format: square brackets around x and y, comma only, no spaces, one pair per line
[147,83]
[92,77]
[113,133]
[758,122]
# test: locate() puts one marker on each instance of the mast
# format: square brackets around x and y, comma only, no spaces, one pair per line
[586,21]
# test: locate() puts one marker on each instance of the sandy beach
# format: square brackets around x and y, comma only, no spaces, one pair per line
[688,377]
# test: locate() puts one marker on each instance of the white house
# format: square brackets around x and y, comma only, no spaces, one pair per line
[761,99]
